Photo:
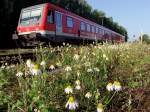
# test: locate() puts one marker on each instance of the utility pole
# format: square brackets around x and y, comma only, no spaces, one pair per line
[102,20]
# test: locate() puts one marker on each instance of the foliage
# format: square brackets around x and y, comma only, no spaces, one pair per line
[145,38]
[94,66]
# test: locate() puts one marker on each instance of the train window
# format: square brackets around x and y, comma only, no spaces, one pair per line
[88,28]
[31,16]
[93,29]
[82,26]
[100,31]
[50,17]
[96,29]
[103,32]
[69,22]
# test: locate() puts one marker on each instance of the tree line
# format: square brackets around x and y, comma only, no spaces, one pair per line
[145,38]
[10,11]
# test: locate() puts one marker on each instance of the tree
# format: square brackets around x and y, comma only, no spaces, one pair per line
[145,38]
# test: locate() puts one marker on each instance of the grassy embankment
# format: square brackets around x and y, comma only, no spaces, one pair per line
[95,66]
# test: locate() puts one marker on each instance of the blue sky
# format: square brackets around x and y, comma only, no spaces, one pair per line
[134,15]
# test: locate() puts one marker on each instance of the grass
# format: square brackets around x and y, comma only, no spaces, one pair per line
[94,66]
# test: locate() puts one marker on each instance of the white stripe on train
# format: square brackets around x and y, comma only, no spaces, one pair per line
[44,32]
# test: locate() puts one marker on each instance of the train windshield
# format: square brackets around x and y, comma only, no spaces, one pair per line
[30,17]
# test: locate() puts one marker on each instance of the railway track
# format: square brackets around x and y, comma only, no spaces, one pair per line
[13,56]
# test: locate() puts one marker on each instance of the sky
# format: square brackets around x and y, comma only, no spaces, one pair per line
[134,15]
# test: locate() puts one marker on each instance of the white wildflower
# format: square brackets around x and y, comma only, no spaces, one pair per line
[84,57]
[78,74]
[59,64]
[35,70]
[110,87]
[77,82]
[87,64]
[7,67]
[64,43]
[36,110]
[117,86]
[43,63]
[12,66]
[88,95]
[93,54]
[71,104]
[2,67]
[52,67]
[19,74]
[96,69]
[78,87]
[89,70]
[68,68]
[29,63]
[76,57]
[105,57]
[68,89]
[6,64]
[100,107]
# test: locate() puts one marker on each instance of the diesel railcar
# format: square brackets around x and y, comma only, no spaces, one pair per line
[49,23]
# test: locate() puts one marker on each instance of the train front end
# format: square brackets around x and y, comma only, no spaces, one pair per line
[30,26]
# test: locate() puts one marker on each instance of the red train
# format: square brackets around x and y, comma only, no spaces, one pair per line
[50,23]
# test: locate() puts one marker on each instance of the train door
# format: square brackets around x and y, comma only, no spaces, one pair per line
[58,18]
